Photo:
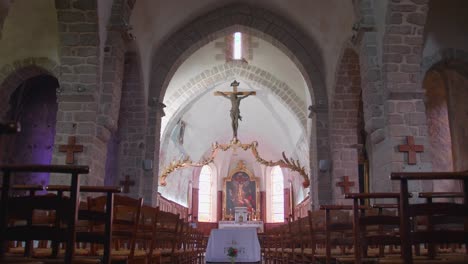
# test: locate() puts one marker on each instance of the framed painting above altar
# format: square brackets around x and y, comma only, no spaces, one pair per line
[241,189]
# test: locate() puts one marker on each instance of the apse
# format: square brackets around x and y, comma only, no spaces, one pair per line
[195,118]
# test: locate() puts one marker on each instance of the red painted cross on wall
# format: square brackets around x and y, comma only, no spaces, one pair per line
[345,184]
[411,148]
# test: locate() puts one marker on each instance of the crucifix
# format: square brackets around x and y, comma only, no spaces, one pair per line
[71,149]
[411,148]
[235,98]
[126,184]
[345,184]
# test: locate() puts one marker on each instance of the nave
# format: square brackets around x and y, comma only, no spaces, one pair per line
[51,224]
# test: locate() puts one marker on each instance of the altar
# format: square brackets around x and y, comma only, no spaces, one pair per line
[246,224]
[244,240]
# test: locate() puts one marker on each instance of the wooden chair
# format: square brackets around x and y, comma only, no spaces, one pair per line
[15,247]
[302,237]
[87,218]
[166,234]
[430,197]
[338,229]
[441,214]
[125,221]
[146,226]
[373,229]
[22,207]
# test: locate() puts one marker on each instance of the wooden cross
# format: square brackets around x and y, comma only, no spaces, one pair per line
[411,148]
[345,184]
[71,149]
[234,85]
[126,184]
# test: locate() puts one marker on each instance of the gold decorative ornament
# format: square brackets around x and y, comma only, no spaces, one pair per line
[291,164]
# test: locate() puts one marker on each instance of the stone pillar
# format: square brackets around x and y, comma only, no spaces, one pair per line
[219,211]
[320,187]
[263,206]
[80,84]
[195,203]
[151,178]
[132,125]
[287,203]
[344,124]
[404,105]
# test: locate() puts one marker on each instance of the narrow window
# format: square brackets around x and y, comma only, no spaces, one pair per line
[237,55]
[277,195]
[205,195]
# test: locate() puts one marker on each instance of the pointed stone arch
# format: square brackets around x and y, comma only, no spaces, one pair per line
[301,49]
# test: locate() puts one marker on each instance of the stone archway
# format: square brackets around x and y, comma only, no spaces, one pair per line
[12,75]
[445,81]
[302,50]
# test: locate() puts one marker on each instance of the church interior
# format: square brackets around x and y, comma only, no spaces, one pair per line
[327,131]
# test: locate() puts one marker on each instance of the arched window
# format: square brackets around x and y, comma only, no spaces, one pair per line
[277,195]
[237,51]
[205,195]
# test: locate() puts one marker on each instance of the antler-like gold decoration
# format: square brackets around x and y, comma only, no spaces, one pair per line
[291,164]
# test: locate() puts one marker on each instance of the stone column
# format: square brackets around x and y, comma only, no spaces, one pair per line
[79,84]
[404,105]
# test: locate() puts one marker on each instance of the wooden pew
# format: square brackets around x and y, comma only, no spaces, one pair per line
[24,206]
[443,212]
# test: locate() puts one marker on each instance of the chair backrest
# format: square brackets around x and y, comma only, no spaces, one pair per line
[166,232]
[146,226]
[23,207]
[370,224]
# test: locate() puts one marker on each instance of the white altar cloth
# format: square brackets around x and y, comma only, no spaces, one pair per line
[245,240]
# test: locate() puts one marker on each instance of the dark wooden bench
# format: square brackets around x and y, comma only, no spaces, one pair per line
[66,209]
[104,217]
[381,222]
[440,212]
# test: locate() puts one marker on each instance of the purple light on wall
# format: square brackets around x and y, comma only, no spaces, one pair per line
[112,161]
[34,105]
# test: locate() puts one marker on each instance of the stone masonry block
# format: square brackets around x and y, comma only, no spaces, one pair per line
[405,107]
[85,4]
[416,119]
[416,19]
[84,116]
[399,130]
[69,39]
[70,16]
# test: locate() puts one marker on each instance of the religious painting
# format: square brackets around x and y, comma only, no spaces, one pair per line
[241,189]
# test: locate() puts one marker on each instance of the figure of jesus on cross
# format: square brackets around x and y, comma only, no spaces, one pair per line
[235,98]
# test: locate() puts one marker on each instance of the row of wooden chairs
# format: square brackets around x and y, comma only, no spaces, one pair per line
[392,230]
[103,229]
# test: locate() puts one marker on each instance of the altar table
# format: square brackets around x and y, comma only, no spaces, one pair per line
[245,240]
[247,224]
